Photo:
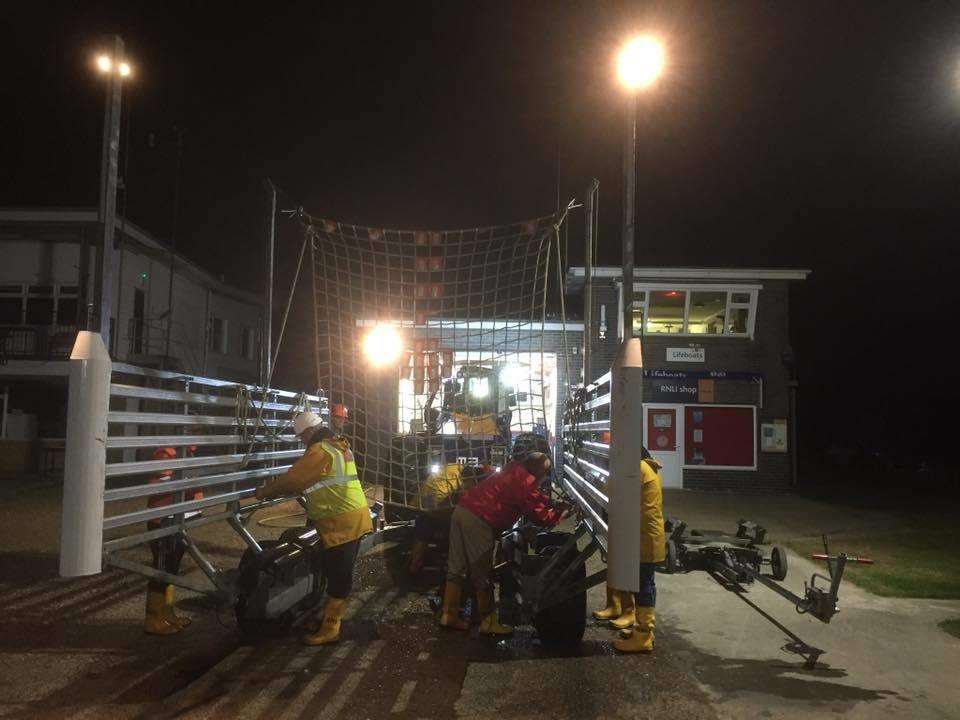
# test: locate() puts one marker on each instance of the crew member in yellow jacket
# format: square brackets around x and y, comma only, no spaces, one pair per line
[639,638]
[327,478]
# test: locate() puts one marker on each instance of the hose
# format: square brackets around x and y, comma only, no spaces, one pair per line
[271,520]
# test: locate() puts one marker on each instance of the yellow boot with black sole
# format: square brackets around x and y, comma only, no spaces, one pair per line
[641,639]
[329,631]
[450,612]
[169,609]
[490,623]
[628,614]
[156,620]
[612,609]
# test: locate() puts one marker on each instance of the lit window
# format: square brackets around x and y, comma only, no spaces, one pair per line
[665,313]
[707,311]
[639,310]
[738,314]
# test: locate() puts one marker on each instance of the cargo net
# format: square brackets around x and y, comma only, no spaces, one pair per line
[433,340]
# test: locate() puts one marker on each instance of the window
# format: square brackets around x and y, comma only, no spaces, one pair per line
[720,436]
[11,304]
[665,312]
[218,335]
[693,310]
[39,304]
[248,343]
[707,312]
[738,314]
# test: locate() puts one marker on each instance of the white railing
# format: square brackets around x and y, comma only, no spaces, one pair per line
[118,414]
[586,450]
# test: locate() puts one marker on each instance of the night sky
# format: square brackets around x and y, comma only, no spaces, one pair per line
[810,134]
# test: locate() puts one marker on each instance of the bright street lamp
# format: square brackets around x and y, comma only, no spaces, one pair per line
[640,62]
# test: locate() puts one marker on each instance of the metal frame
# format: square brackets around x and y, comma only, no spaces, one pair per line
[254,424]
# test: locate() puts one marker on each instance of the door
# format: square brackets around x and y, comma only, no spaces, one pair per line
[137,335]
[664,440]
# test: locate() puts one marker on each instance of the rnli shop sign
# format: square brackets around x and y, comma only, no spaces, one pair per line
[686,355]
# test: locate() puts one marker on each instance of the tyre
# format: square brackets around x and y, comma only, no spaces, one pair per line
[562,625]
[671,562]
[778,563]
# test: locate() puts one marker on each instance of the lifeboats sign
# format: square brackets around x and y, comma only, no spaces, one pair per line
[686,355]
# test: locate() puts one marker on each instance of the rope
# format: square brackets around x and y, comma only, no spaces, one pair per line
[265,391]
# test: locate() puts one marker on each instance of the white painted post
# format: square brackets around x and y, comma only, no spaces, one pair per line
[81,527]
[624,486]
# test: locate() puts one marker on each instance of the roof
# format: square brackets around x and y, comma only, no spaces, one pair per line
[68,216]
[575,275]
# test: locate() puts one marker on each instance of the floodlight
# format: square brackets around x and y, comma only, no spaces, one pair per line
[382,345]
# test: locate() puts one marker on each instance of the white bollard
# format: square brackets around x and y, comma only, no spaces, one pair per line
[624,488]
[84,465]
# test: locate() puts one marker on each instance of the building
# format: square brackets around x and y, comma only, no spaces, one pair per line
[720,389]
[49,290]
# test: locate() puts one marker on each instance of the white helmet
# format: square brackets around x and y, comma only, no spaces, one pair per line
[304,421]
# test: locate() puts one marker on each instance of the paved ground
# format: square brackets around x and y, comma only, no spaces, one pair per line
[75,649]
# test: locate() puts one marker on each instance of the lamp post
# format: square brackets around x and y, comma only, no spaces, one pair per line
[638,66]
[116,68]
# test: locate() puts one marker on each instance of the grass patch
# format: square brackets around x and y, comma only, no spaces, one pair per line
[951,626]
[916,559]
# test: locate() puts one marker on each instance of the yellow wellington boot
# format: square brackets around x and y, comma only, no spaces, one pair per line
[627,611]
[329,631]
[155,621]
[641,640]
[490,624]
[169,610]
[612,610]
[450,613]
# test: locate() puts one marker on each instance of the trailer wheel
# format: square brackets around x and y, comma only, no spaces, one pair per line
[778,562]
[563,624]
[248,578]
[671,562]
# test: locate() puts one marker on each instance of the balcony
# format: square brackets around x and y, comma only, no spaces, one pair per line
[36,342]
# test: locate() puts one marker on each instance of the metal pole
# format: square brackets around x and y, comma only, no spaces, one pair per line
[266,342]
[624,486]
[173,245]
[588,283]
[108,187]
[81,528]
[629,192]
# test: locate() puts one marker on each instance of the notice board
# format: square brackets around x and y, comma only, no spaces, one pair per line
[720,436]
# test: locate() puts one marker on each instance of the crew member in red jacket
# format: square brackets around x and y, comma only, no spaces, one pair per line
[483,513]
[160,618]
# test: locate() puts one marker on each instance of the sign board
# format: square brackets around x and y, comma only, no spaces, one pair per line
[673,390]
[773,436]
[686,355]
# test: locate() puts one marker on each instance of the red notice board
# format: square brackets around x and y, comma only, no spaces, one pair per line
[719,436]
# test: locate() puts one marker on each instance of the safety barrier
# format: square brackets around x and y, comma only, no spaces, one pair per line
[585,469]
[226,438]
[603,441]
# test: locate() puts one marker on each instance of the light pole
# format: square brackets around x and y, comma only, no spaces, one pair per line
[638,66]
[116,68]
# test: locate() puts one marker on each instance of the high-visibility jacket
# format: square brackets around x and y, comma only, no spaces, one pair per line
[652,536]
[337,489]
[326,476]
